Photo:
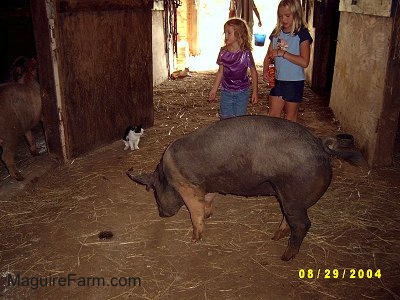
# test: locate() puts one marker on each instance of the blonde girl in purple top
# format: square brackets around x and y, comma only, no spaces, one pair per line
[234,59]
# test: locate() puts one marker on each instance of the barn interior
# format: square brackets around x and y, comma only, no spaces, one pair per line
[78,188]
[177,37]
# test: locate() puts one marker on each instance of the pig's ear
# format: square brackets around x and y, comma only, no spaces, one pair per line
[145,179]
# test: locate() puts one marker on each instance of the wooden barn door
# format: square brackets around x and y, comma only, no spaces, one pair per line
[103,71]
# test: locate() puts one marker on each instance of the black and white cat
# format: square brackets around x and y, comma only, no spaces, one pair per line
[132,137]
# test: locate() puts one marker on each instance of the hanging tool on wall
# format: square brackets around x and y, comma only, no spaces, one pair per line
[171,27]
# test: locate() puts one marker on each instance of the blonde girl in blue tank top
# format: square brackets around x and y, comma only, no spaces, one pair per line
[290,50]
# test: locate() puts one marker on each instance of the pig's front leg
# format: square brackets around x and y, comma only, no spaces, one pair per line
[194,200]
[31,142]
[208,199]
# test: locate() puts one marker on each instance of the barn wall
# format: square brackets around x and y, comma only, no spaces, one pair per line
[359,96]
[194,47]
[183,34]
[389,121]
[381,8]
[309,15]
[160,56]
[105,72]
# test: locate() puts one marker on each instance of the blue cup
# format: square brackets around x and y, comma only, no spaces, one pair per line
[259,39]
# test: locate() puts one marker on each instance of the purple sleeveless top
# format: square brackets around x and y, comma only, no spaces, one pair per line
[234,77]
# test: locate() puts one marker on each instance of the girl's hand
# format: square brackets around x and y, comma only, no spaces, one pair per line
[212,95]
[217,82]
[265,76]
[276,53]
[254,98]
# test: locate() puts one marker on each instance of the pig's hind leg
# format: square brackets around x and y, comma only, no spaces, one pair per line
[295,214]
[9,146]
[299,224]
[283,230]
[208,199]
[31,142]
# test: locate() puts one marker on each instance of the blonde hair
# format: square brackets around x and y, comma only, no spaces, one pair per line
[241,31]
[297,12]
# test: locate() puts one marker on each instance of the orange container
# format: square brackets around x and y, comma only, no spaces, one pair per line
[271,74]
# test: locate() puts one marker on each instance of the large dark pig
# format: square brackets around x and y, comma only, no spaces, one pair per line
[246,156]
[21,109]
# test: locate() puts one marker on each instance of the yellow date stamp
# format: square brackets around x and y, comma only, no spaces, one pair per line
[345,273]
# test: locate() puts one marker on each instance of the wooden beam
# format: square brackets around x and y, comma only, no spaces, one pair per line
[70,6]
[49,103]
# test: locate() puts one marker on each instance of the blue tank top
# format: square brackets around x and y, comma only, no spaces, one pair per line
[284,69]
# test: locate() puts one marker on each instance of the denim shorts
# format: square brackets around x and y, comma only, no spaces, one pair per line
[233,103]
[291,91]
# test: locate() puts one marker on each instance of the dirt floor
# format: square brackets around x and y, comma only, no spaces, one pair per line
[50,224]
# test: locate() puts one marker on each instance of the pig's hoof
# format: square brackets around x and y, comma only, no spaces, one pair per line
[35,153]
[289,254]
[196,237]
[18,176]
[194,241]
[280,234]
[207,215]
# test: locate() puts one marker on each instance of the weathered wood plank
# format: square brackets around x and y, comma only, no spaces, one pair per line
[46,75]
[381,8]
[389,118]
[106,75]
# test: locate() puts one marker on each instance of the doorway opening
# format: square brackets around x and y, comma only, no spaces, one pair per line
[16,34]
[16,40]
[200,28]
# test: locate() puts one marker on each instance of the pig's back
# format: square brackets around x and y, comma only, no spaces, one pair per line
[21,105]
[248,148]
[249,136]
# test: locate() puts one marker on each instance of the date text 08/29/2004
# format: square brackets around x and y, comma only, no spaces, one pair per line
[347,273]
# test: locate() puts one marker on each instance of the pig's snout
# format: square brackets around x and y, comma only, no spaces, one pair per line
[164,214]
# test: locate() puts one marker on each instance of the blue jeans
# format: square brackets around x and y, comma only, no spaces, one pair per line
[233,104]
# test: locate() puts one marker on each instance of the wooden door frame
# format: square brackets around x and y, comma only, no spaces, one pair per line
[45,56]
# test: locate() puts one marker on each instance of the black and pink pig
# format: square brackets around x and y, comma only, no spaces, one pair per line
[246,156]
